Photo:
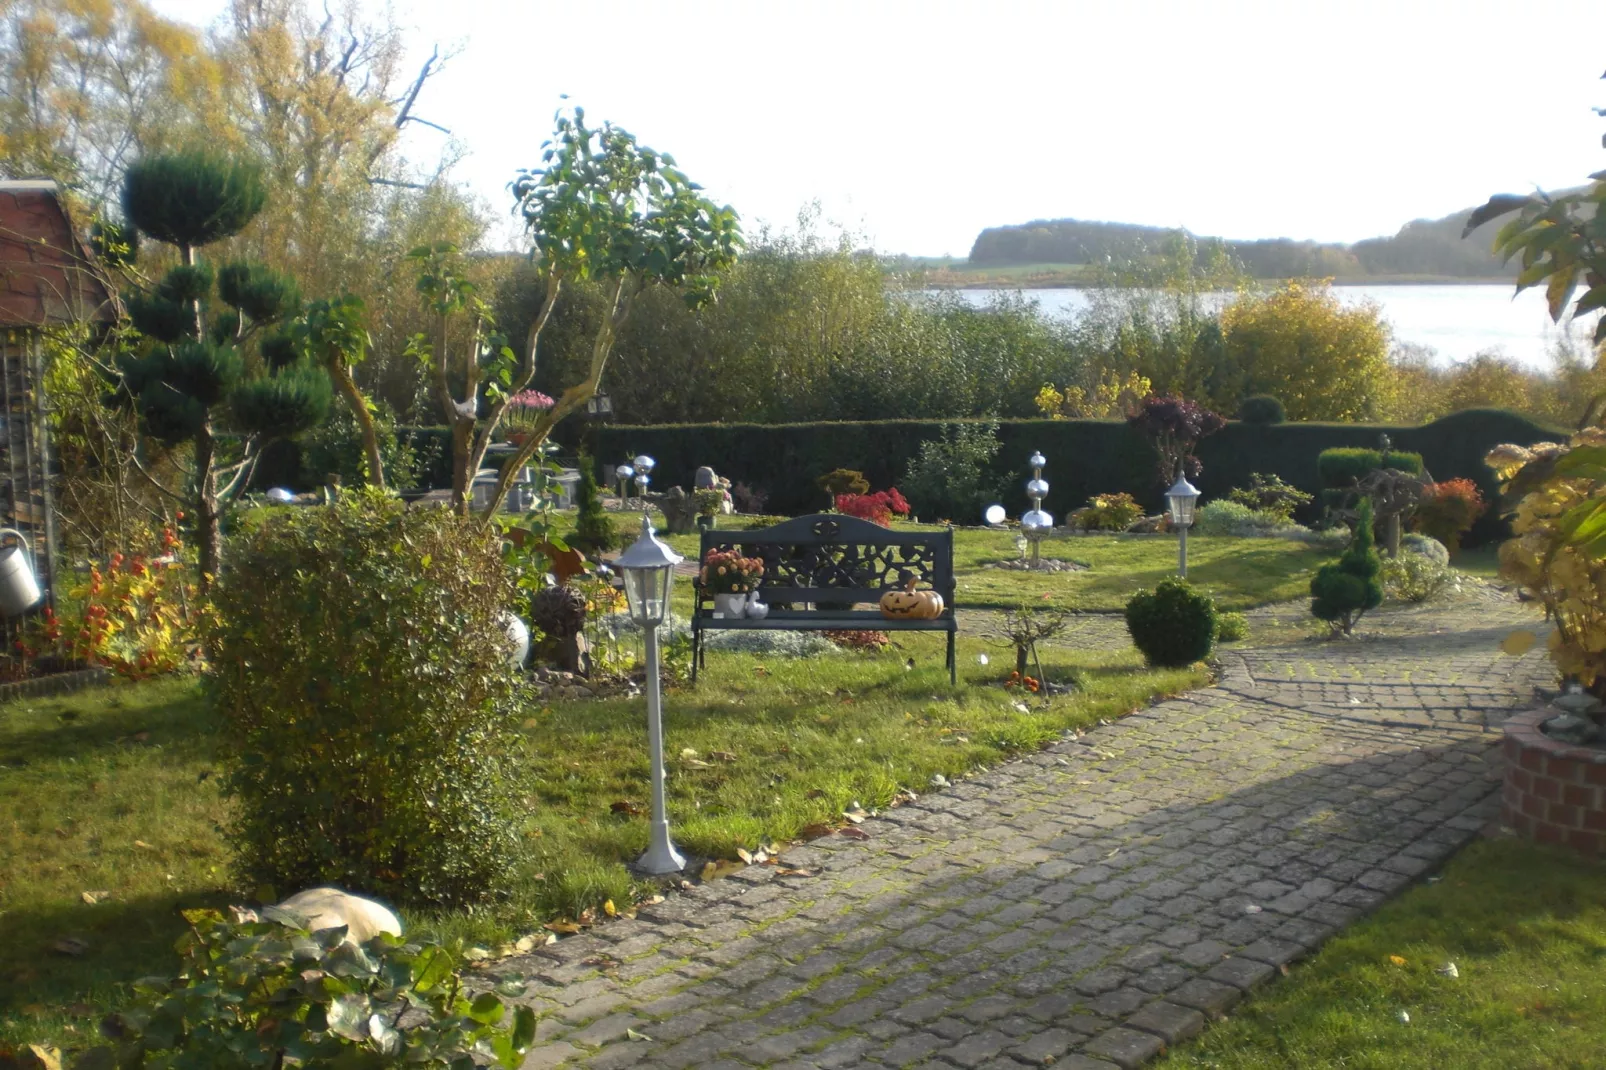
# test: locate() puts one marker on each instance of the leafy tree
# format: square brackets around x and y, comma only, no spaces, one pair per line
[187,373]
[601,207]
[1323,360]
[1174,427]
[949,477]
[1559,240]
[1342,591]
[593,529]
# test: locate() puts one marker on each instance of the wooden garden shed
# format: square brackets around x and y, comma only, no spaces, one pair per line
[47,281]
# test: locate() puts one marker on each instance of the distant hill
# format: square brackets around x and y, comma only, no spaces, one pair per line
[1423,247]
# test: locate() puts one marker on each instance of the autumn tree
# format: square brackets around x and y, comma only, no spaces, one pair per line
[1299,343]
[601,207]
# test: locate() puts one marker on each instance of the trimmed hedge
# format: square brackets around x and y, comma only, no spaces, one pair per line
[1085,457]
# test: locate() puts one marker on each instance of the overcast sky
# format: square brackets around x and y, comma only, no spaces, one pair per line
[918,124]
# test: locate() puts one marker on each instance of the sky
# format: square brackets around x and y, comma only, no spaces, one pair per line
[915,125]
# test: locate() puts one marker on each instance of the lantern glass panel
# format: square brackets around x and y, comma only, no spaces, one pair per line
[647,590]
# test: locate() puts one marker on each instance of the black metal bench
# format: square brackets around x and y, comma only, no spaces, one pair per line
[816,568]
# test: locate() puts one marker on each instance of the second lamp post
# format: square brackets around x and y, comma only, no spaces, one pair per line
[1180,499]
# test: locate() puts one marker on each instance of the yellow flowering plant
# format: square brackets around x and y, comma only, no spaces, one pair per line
[728,572]
[1558,552]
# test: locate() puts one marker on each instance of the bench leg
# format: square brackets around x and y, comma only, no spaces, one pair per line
[696,651]
[953,667]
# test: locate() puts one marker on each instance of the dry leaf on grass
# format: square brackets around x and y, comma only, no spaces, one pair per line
[722,756]
[853,832]
[609,909]
[70,945]
[1397,960]
[94,897]
[566,927]
[142,843]
[625,807]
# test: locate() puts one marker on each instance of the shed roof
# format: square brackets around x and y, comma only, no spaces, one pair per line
[46,276]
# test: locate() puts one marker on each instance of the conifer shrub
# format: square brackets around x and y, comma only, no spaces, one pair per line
[1261,409]
[359,662]
[1173,625]
[1343,590]
[594,530]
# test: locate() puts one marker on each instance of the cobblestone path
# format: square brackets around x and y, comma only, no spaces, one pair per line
[1085,906]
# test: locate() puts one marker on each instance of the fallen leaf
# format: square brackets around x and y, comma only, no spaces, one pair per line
[566,927]
[784,872]
[70,945]
[142,843]
[720,867]
[742,853]
[687,752]
[525,943]
[631,1034]
[47,1058]
[814,832]
[1397,960]
[609,909]
[1404,1017]
[1519,642]
[853,832]
[93,897]
[624,807]
[653,900]
[722,756]
[1448,970]
[855,816]
[697,763]
[476,954]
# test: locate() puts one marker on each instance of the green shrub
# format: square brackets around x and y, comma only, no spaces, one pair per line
[337,447]
[1235,520]
[843,481]
[270,994]
[1415,577]
[1269,494]
[1342,591]
[1232,627]
[1110,512]
[1344,467]
[360,664]
[1261,409]
[1173,624]
[949,478]
[594,529]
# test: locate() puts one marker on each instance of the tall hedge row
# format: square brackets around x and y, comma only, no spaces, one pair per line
[1085,457]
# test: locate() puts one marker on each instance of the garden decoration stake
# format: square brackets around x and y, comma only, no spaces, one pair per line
[1036,523]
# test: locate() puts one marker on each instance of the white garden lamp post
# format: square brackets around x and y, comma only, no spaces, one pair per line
[648,566]
[1180,499]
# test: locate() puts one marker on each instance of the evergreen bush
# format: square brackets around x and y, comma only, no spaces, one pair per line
[359,661]
[594,530]
[949,477]
[1173,625]
[1261,409]
[1342,591]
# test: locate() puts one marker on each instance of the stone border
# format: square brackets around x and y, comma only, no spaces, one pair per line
[1553,792]
[60,683]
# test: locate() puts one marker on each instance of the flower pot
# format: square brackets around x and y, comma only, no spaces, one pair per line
[705,521]
[730,606]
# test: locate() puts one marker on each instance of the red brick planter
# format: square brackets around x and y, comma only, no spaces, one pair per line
[1554,792]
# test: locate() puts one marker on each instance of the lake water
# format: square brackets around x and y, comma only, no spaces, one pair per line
[1456,322]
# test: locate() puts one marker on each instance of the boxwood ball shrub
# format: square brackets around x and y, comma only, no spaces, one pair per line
[361,670]
[1173,624]
[1261,409]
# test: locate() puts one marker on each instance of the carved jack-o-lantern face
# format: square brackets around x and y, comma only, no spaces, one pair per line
[911,604]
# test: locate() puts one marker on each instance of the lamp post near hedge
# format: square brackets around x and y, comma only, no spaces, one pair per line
[1180,499]
[648,567]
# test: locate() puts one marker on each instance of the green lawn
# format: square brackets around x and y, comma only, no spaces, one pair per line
[1526,930]
[114,791]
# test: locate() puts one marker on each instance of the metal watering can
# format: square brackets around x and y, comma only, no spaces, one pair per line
[19,587]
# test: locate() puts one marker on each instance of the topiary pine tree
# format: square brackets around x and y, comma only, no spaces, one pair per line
[594,529]
[1343,590]
[190,371]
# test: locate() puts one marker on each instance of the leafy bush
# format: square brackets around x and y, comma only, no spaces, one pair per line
[709,501]
[1425,545]
[1342,591]
[360,663]
[1172,625]
[1235,520]
[1110,512]
[1343,467]
[949,478]
[1231,627]
[1174,426]
[748,499]
[1261,409]
[1448,510]
[559,611]
[1413,577]
[594,530]
[843,481]
[336,447]
[270,994]
[1269,494]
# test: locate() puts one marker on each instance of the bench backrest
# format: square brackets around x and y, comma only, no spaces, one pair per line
[853,559]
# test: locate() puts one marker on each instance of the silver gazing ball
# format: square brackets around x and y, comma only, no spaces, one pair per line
[624,471]
[1036,520]
[645,464]
[1037,460]
[1037,488]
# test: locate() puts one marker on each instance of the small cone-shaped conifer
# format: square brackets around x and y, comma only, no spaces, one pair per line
[594,531]
[1343,590]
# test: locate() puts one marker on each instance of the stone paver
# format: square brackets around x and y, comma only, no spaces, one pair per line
[1084,906]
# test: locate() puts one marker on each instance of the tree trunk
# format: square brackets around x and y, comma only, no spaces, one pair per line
[365,423]
[462,475]
[1391,535]
[208,529]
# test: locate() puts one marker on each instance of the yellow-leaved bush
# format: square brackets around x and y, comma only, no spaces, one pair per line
[1558,553]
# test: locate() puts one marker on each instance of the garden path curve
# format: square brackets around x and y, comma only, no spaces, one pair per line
[1084,906]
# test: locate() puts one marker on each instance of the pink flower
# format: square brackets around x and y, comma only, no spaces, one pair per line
[530,399]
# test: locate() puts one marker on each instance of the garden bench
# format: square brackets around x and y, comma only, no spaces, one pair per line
[818,568]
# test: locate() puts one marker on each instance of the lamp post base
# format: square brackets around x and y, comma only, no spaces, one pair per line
[661,857]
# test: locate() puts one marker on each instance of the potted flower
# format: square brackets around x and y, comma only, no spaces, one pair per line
[524,409]
[729,577]
[709,503]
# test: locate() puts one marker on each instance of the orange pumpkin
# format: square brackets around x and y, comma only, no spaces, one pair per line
[910,604]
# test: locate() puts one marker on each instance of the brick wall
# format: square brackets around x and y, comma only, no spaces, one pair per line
[1553,792]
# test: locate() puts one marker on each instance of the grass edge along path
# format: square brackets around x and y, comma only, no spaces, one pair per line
[1524,926]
